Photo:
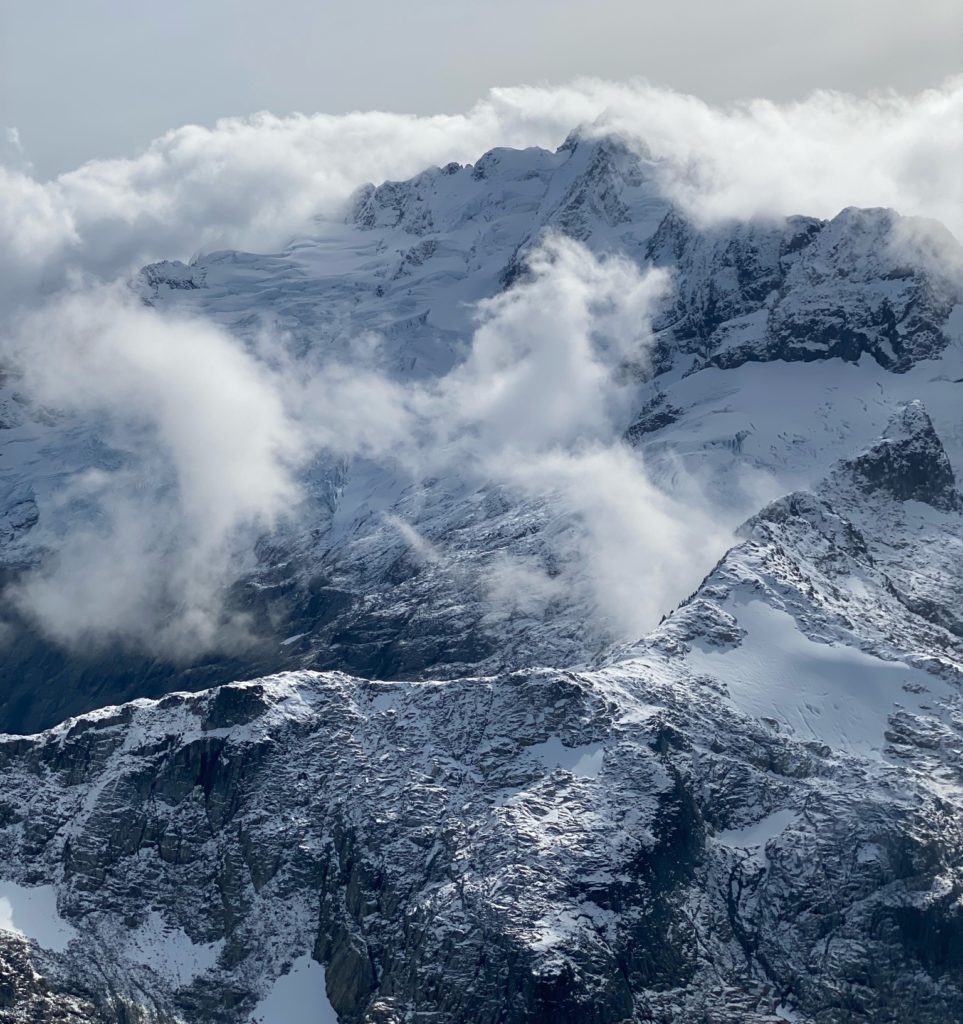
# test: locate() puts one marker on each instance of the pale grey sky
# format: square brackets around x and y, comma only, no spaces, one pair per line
[89,78]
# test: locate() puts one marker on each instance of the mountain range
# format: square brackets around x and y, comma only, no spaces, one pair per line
[444,780]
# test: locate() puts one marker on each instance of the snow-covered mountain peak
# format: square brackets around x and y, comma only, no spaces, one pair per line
[750,813]
[766,322]
[444,199]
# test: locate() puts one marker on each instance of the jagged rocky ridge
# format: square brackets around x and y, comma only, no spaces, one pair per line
[752,814]
[866,282]
[27,997]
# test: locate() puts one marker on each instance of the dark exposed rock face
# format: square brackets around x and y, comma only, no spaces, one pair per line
[724,273]
[657,413]
[472,881]
[625,844]
[866,282]
[27,997]
[909,463]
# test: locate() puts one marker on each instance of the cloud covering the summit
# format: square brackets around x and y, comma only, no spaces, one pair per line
[254,182]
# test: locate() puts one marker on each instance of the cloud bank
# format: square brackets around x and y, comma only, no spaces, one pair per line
[539,406]
[254,182]
[200,455]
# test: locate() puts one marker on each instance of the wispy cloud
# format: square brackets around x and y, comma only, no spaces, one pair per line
[213,437]
[142,549]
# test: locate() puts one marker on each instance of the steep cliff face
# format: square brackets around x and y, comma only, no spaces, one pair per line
[866,282]
[26,996]
[751,814]
[909,463]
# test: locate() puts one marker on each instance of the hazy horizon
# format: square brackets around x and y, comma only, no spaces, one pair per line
[103,79]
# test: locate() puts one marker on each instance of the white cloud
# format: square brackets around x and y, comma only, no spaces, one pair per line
[542,366]
[211,436]
[542,372]
[640,549]
[813,157]
[253,182]
[539,406]
[143,550]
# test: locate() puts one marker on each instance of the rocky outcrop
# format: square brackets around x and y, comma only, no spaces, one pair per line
[27,997]
[908,463]
[660,838]
[868,282]
[158,279]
